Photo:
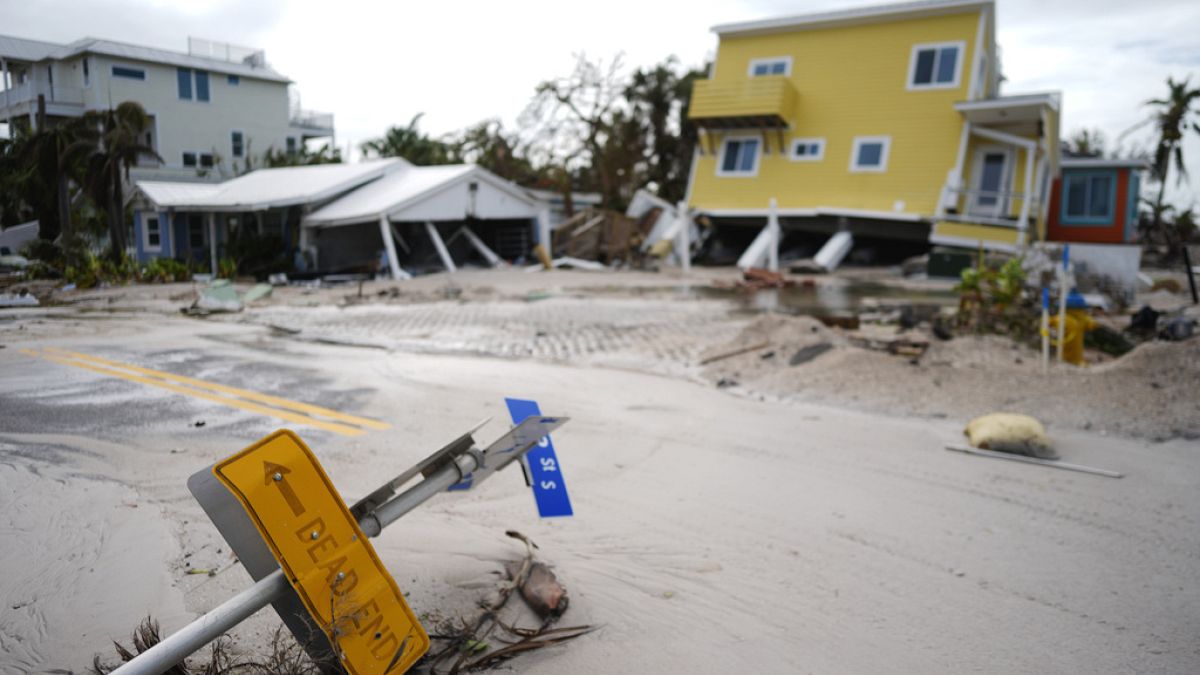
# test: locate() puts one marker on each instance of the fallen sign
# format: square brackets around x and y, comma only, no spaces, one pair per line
[309,554]
[325,555]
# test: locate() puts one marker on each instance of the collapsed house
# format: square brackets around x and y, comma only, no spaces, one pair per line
[423,215]
[378,216]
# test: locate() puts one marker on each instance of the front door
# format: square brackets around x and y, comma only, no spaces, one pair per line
[990,181]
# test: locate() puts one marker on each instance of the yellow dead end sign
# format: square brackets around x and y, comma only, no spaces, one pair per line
[325,555]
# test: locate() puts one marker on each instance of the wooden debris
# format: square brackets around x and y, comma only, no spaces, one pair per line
[965,449]
[740,350]
[898,346]
[757,278]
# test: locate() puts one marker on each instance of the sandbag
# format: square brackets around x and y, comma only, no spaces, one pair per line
[1010,432]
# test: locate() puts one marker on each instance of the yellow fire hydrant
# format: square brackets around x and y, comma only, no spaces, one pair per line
[1077,323]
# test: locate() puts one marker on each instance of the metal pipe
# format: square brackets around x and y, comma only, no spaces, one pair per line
[180,644]
[393,509]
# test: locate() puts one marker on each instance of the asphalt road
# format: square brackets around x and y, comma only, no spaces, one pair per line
[712,532]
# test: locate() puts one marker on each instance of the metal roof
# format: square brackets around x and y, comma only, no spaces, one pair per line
[20,49]
[169,194]
[404,188]
[871,14]
[269,188]
[1103,163]
[33,50]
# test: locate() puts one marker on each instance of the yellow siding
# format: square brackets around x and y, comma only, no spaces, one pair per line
[849,81]
[982,233]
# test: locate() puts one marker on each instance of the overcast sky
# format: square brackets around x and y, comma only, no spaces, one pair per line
[374,64]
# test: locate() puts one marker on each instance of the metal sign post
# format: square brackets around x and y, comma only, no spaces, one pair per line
[308,552]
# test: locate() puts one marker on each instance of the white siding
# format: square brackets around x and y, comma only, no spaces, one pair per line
[258,108]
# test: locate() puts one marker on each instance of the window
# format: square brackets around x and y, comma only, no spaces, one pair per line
[808,149]
[87,75]
[1088,198]
[935,66]
[201,85]
[778,65]
[238,141]
[129,73]
[206,160]
[870,154]
[739,157]
[189,159]
[233,80]
[153,240]
[184,76]
[291,145]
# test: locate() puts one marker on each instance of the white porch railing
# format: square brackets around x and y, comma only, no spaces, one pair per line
[28,92]
[989,207]
[311,120]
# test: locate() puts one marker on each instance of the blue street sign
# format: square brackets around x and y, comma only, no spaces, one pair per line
[545,474]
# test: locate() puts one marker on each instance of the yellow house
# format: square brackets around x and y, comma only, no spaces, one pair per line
[885,121]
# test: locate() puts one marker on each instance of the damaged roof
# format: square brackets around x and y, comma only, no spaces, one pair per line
[434,193]
[269,188]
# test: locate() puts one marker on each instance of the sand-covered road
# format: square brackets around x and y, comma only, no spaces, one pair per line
[713,532]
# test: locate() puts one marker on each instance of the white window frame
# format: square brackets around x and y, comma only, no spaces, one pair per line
[958,65]
[232,154]
[859,141]
[146,247]
[807,158]
[725,148]
[787,65]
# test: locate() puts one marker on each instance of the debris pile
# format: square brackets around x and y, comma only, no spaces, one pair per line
[466,644]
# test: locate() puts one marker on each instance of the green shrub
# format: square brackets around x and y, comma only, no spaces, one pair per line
[165,270]
[992,299]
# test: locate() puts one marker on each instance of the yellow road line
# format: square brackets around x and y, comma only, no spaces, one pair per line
[242,393]
[200,393]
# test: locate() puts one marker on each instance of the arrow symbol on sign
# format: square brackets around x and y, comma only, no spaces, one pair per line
[275,473]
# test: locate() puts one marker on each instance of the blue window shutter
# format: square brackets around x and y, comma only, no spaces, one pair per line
[184,75]
[201,85]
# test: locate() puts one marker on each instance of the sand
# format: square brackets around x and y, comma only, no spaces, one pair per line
[768,526]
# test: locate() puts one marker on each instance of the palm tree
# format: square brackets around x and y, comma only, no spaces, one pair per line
[412,144]
[1173,117]
[109,142]
[44,153]
[13,176]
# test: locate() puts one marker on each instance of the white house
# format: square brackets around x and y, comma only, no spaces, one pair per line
[213,108]
[382,215]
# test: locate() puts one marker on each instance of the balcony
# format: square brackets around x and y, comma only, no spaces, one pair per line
[310,124]
[757,103]
[60,100]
